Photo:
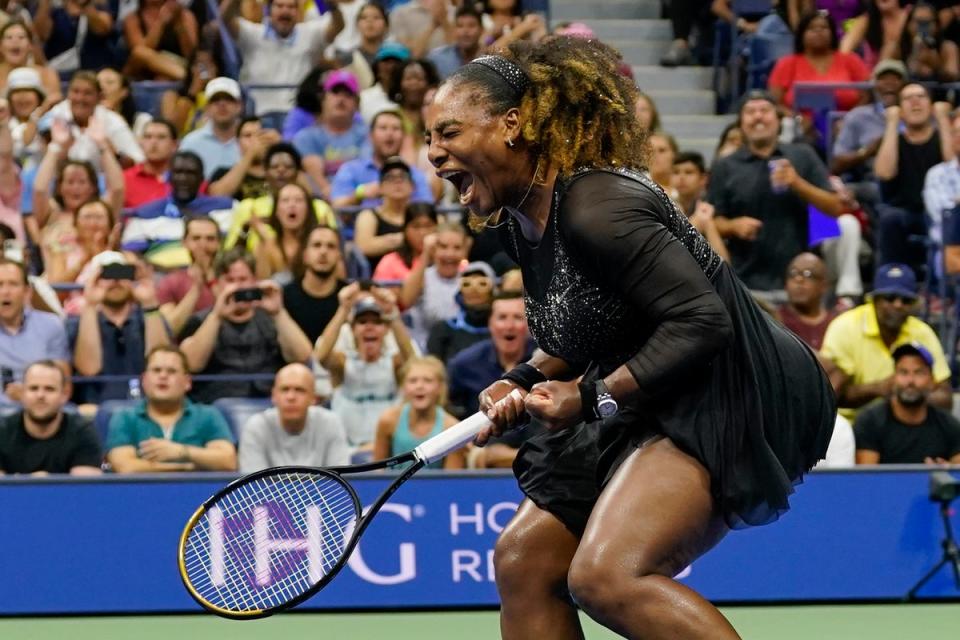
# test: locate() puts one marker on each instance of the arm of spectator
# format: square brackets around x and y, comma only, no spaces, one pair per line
[230,15]
[866,456]
[420,44]
[156,333]
[885,166]
[188,33]
[42,21]
[88,351]
[313,166]
[855,33]
[795,9]
[721,9]
[336,22]
[325,352]
[124,459]
[949,68]
[216,455]
[294,344]
[177,313]
[703,220]
[268,254]
[230,182]
[9,173]
[386,426]
[412,287]
[844,162]
[366,238]
[198,347]
[531,24]
[405,350]
[941,111]
[99,18]
[823,199]
[56,151]
[134,35]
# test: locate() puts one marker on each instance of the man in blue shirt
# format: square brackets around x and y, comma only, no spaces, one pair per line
[358,181]
[156,228]
[216,142]
[467,31]
[167,432]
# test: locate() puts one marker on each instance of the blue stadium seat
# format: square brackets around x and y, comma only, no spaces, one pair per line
[101,421]
[238,410]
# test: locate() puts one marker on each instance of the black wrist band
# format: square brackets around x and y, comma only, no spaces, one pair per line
[149,309]
[524,376]
[588,400]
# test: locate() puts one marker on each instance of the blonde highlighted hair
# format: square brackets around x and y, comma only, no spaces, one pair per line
[435,365]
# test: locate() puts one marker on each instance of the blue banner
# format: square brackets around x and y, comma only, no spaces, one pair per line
[109,545]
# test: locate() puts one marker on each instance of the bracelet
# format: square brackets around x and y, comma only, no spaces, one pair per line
[588,400]
[55,148]
[524,375]
[391,317]
[147,310]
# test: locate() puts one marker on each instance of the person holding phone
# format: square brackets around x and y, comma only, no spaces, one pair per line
[248,331]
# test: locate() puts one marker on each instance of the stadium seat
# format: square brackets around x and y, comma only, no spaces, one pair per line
[238,410]
[101,421]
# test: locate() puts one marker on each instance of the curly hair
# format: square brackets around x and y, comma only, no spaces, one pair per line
[577,110]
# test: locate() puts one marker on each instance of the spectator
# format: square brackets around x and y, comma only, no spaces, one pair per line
[419,221]
[647,114]
[90,123]
[161,36]
[406,426]
[429,291]
[386,71]
[282,168]
[120,324]
[731,139]
[185,106]
[663,149]
[768,28]
[216,142]
[342,15]
[185,292]
[417,77]
[279,240]
[16,49]
[905,428]
[509,25]
[688,183]
[116,94]
[478,366]
[76,34]
[42,438]
[338,137]
[311,299]
[467,33]
[358,181]
[901,166]
[857,346]
[379,230]
[241,337]
[372,26]
[165,431]
[95,230]
[26,335]
[862,128]
[684,15]
[422,25]
[365,380]
[761,193]
[929,56]
[26,99]
[295,431]
[308,102]
[804,313]
[941,197]
[877,32]
[281,50]
[10,187]
[247,178]
[469,326]
[149,180]
[156,228]
[816,59]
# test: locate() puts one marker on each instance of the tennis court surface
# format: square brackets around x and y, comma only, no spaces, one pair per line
[835,622]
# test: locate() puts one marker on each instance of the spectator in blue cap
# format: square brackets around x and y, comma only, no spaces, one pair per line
[905,428]
[858,344]
[387,65]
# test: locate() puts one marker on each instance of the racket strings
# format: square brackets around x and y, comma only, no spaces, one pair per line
[269,541]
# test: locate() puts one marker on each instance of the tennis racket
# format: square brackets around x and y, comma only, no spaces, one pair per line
[270,540]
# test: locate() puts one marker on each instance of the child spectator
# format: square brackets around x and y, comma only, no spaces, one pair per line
[419,221]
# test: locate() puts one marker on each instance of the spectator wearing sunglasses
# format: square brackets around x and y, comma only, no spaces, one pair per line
[807,286]
[858,346]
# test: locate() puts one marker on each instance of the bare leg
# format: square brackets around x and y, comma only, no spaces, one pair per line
[531,560]
[654,517]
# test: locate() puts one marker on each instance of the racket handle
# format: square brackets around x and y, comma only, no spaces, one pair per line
[455,437]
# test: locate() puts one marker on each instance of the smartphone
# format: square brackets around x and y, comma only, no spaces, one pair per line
[247,295]
[116,271]
[365,285]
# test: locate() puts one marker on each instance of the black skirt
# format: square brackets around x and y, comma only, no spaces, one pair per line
[757,417]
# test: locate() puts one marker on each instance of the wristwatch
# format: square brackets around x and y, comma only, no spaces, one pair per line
[607,407]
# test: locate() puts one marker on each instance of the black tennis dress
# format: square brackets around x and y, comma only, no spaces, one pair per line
[620,277]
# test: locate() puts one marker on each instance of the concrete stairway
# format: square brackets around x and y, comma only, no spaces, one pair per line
[683,95]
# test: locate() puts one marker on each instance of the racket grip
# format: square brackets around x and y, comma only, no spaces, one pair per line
[456,436]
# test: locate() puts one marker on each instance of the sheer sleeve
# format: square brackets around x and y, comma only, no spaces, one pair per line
[615,229]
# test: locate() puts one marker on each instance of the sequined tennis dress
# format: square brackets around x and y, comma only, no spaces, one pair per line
[620,277]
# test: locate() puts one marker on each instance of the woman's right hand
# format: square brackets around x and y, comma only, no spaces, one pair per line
[502,403]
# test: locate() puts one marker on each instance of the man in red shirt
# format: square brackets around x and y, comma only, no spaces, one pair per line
[148,181]
[185,292]
[806,286]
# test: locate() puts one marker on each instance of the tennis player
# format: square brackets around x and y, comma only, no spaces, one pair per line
[675,408]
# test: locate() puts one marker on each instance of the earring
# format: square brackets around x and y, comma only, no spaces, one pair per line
[510,142]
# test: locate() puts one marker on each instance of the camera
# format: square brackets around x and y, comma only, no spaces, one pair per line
[365,285]
[943,487]
[247,295]
[116,271]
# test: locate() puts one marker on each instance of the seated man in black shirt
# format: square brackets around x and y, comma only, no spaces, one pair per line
[906,428]
[251,335]
[42,439]
[901,165]
[312,300]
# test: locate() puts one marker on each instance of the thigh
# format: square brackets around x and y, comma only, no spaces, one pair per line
[655,516]
[535,538]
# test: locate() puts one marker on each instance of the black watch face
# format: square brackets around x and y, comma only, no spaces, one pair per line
[607,408]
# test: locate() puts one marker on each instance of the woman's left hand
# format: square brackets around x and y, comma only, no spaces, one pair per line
[556,404]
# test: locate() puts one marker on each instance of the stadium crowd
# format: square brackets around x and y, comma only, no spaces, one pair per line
[205,272]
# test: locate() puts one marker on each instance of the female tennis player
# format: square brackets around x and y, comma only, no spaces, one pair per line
[675,408]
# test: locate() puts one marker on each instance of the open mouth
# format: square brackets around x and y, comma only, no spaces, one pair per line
[463,181]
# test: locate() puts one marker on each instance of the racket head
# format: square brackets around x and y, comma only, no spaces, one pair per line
[269,541]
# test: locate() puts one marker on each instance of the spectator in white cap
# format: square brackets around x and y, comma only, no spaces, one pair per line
[338,136]
[216,141]
[474,297]
[25,96]
[280,50]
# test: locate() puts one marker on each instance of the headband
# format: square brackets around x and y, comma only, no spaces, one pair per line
[512,74]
